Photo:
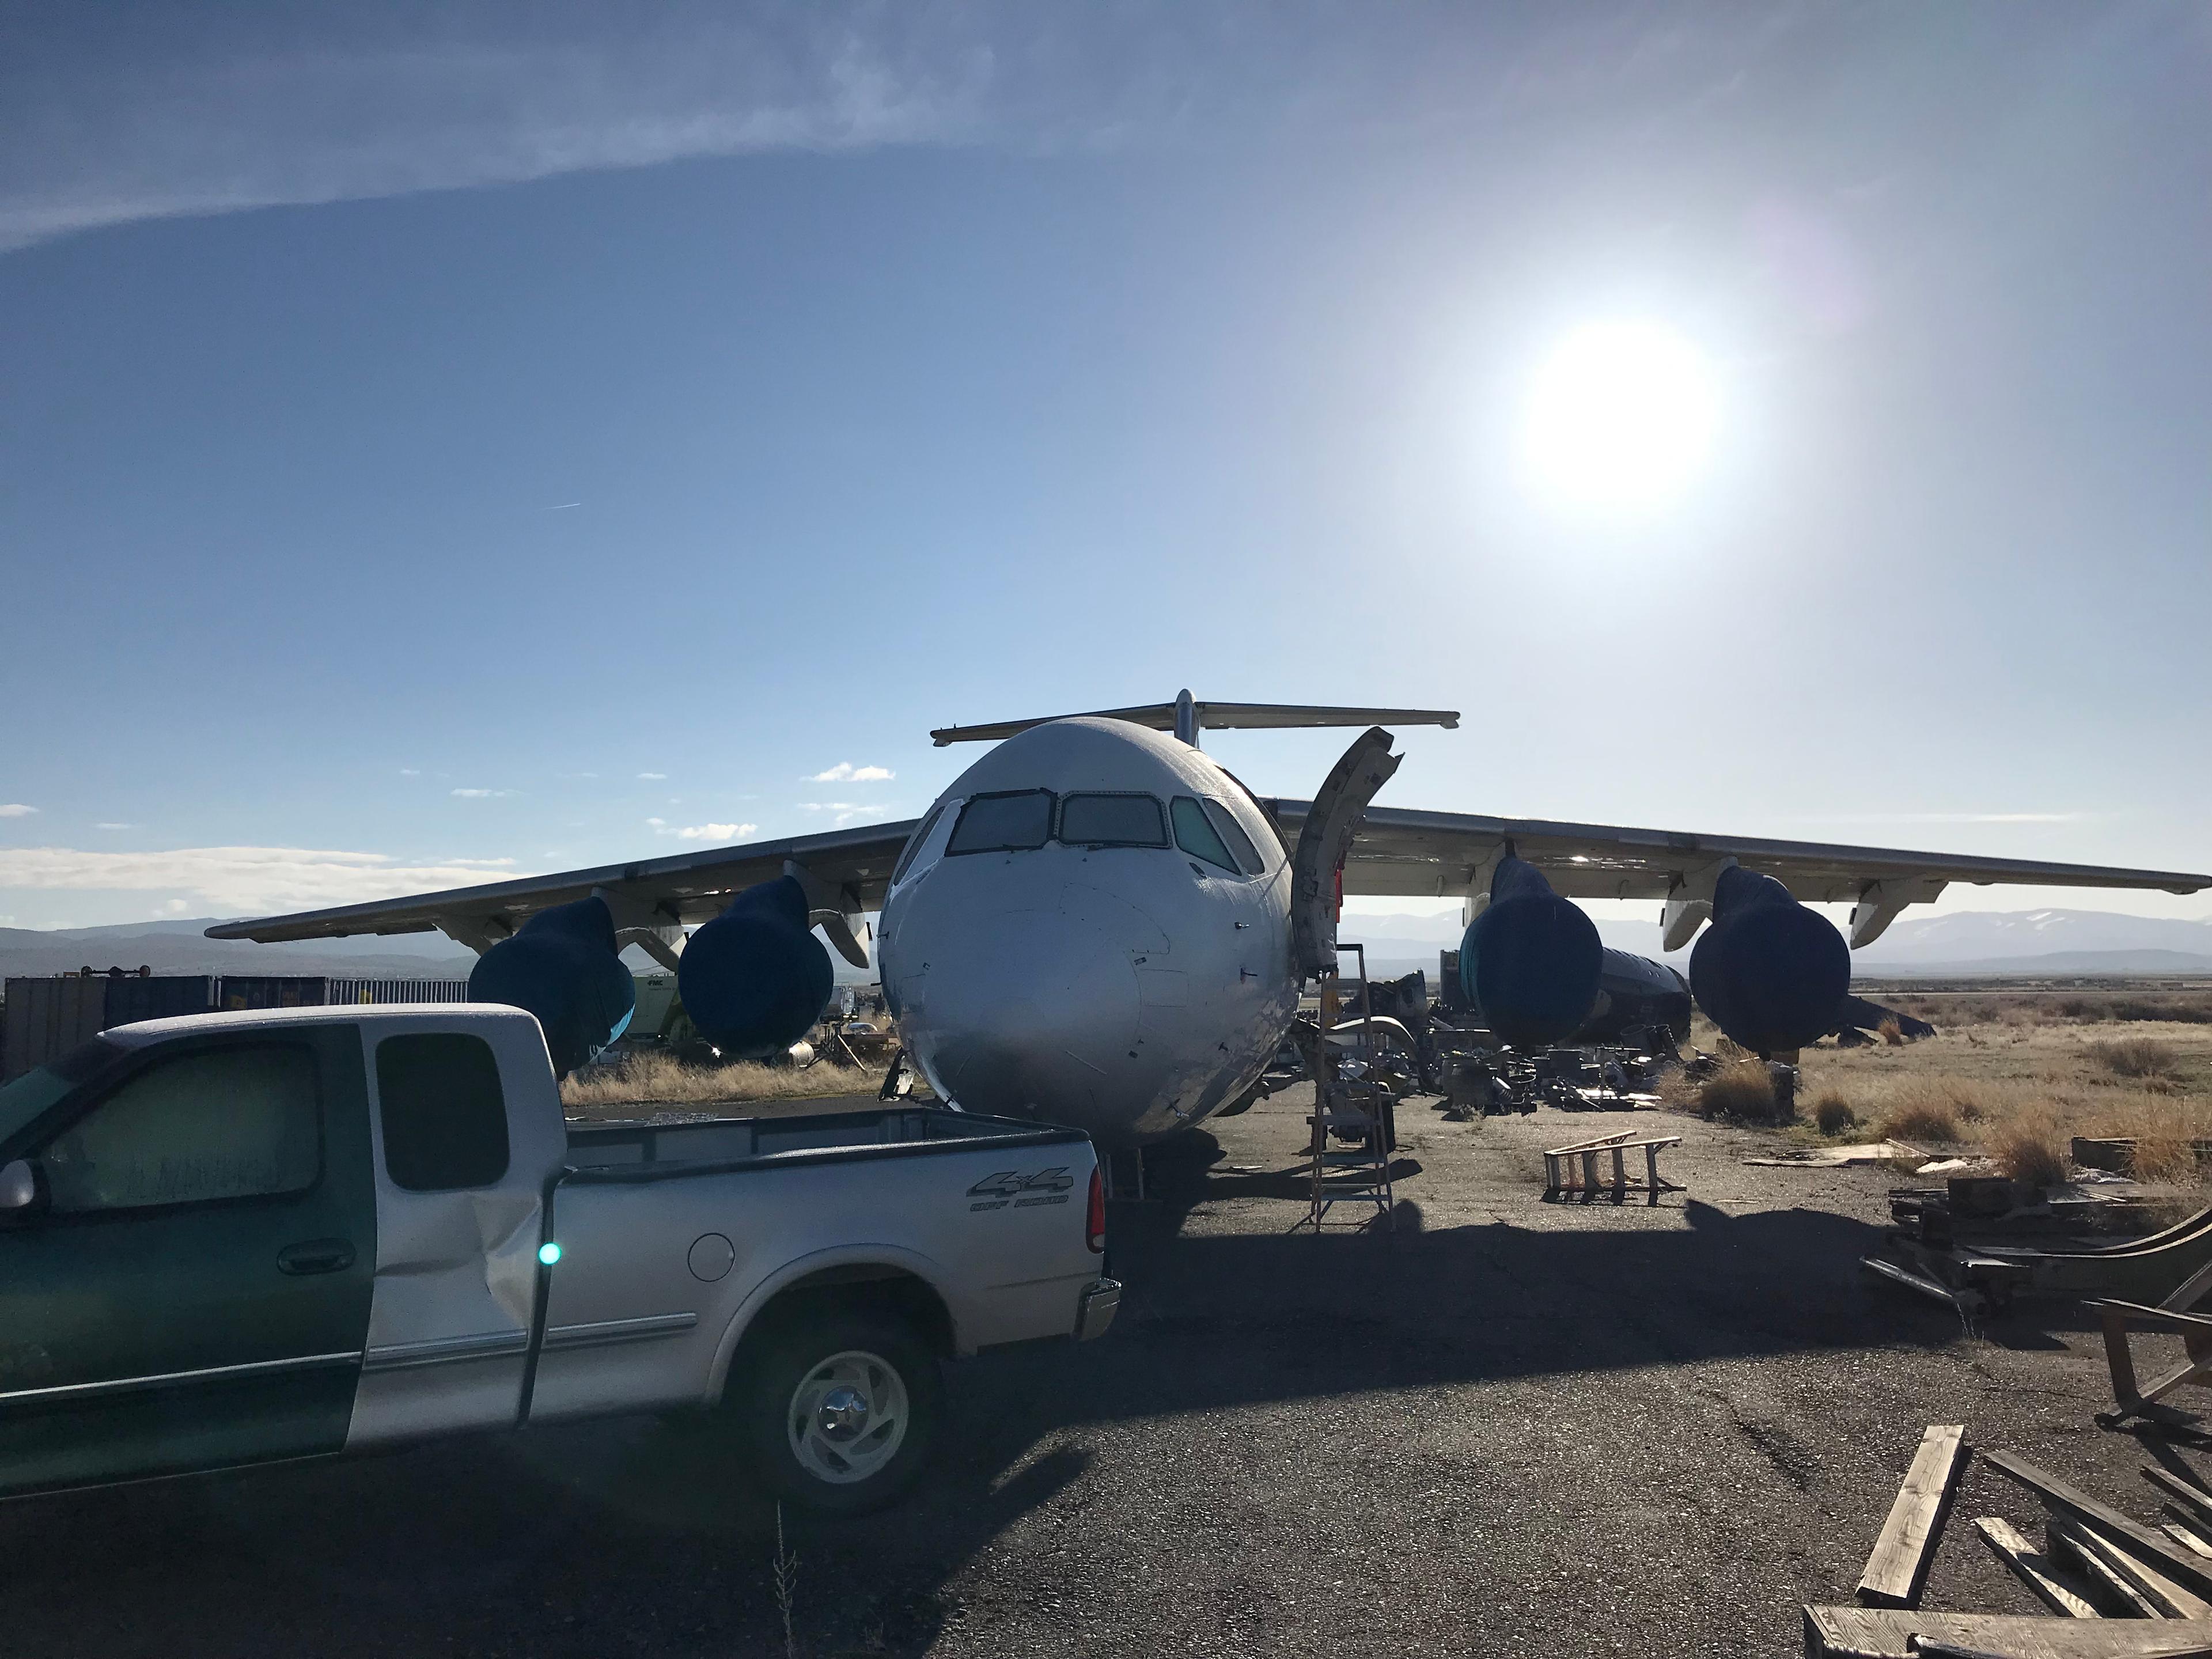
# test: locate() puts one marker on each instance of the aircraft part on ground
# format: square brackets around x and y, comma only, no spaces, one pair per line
[754,980]
[563,966]
[1770,973]
[1531,961]
[1633,991]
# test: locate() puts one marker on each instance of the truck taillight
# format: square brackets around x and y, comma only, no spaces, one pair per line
[1097,1222]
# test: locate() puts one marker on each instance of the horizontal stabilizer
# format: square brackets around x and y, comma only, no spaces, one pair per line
[1186,716]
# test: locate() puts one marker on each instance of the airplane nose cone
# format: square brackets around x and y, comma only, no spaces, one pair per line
[1030,1023]
[1026,1003]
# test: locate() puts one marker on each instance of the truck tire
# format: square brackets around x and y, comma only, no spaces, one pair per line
[839,1413]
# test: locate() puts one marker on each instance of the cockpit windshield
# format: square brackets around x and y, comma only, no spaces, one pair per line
[1112,821]
[1011,823]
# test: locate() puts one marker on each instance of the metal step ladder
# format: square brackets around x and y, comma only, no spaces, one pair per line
[1354,1112]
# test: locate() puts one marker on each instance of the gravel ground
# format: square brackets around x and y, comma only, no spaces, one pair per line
[1507,1427]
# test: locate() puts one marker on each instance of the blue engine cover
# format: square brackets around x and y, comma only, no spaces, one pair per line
[562,965]
[755,979]
[1770,973]
[1530,960]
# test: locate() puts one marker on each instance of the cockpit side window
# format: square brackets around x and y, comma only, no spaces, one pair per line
[1112,821]
[1195,834]
[1247,855]
[916,843]
[1015,822]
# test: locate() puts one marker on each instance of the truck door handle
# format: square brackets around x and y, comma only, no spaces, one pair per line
[315,1255]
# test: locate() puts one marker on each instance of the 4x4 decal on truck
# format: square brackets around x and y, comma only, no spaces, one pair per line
[996,1192]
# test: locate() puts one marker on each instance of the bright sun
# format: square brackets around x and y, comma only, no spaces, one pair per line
[1620,417]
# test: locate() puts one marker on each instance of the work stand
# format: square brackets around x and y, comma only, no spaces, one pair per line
[1571,1172]
[1353,1109]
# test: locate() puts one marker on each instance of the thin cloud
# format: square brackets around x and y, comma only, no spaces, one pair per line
[716,831]
[1941,818]
[234,879]
[481,794]
[410,771]
[846,772]
[563,506]
[16,809]
[658,823]
[115,826]
[652,777]
[240,113]
[841,812]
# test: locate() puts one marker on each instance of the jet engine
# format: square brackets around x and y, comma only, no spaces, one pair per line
[1531,960]
[1770,973]
[755,979]
[563,966]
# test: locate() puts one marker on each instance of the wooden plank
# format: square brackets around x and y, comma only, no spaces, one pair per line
[2034,1569]
[1899,1565]
[2171,1600]
[2182,1535]
[2153,1548]
[1851,1632]
[2186,1492]
[2070,1541]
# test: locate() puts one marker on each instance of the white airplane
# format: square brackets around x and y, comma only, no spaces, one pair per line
[1097,924]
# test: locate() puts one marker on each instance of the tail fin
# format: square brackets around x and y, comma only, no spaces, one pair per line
[1187,717]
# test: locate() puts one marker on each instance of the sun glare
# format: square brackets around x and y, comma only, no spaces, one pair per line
[1620,417]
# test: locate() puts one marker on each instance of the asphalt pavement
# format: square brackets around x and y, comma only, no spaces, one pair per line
[1506,1426]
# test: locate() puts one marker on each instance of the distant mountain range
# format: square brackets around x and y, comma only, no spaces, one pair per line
[1991,942]
[1966,942]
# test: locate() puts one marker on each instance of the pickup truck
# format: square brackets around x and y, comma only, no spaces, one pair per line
[234,1238]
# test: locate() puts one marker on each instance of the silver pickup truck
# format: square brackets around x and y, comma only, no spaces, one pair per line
[241,1238]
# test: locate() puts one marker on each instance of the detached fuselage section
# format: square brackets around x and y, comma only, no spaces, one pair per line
[1091,926]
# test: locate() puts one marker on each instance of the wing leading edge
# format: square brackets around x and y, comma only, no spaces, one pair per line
[845,871]
[1406,854]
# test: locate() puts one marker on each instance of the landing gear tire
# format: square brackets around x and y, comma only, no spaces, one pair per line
[840,1415]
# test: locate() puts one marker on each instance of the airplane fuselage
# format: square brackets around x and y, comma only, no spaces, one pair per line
[1091,926]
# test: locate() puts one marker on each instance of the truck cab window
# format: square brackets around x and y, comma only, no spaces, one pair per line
[223,1123]
[1015,823]
[1112,821]
[443,1111]
[1196,835]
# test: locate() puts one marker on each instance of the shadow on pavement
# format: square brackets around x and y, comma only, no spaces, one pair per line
[643,1536]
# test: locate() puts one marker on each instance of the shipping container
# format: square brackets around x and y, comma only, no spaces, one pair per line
[238,991]
[44,1018]
[357,991]
[129,1000]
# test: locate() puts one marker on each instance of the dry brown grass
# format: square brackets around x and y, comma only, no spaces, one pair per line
[2165,1130]
[657,1079]
[1833,1114]
[1891,1033]
[2137,1056]
[1916,1121]
[1742,1092]
[2031,1146]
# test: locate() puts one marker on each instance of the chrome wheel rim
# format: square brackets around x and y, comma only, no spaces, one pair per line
[847,1417]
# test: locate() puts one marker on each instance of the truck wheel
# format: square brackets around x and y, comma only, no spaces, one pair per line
[841,1412]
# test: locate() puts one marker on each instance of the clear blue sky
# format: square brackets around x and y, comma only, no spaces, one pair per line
[485,439]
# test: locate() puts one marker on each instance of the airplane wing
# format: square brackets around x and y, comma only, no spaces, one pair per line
[845,872]
[1401,854]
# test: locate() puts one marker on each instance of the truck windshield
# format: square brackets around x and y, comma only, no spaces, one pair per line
[22,1101]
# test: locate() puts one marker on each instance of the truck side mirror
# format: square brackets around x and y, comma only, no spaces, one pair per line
[19,1189]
